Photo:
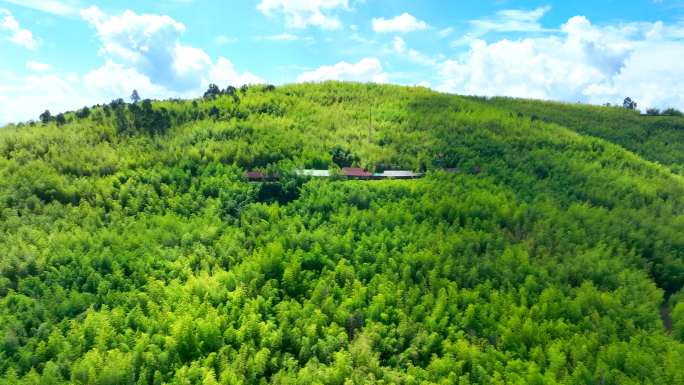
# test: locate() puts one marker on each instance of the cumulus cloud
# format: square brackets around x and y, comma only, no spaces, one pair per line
[28,96]
[9,26]
[366,70]
[225,73]
[47,89]
[584,62]
[113,80]
[402,23]
[650,75]
[304,13]
[150,45]
[141,51]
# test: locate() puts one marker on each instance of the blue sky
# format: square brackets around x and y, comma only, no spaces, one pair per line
[63,54]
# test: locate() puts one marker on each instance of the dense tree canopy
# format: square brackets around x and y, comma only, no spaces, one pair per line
[136,252]
[658,137]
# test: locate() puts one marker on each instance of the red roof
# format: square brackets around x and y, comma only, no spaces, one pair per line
[356,172]
[254,175]
[258,175]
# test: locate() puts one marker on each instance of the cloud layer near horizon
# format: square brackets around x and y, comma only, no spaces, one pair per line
[141,51]
[577,61]
[584,62]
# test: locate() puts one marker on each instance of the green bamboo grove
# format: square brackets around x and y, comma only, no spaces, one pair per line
[544,245]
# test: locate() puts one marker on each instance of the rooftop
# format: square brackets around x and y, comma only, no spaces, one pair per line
[356,172]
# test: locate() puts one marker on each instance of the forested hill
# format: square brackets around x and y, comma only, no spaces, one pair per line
[134,251]
[658,137]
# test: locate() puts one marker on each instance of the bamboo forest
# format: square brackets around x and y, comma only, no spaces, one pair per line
[543,242]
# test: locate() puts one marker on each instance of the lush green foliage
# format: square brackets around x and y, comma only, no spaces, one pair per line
[658,137]
[134,252]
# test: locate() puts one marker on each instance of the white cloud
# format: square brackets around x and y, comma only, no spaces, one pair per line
[141,52]
[587,63]
[512,20]
[112,81]
[29,96]
[366,70]
[505,21]
[402,23]
[150,44]
[399,44]
[38,66]
[225,73]
[400,48]
[303,13]
[650,75]
[17,35]
[55,7]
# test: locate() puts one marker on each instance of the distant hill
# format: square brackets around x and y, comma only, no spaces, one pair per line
[545,247]
[656,138]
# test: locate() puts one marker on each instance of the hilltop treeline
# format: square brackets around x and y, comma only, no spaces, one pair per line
[658,137]
[135,252]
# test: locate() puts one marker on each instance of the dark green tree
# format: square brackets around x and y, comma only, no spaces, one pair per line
[83,113]
[45,117]
[212,92]
[629,104]
[672,112]
[230,91]
[60,119]
[214,112]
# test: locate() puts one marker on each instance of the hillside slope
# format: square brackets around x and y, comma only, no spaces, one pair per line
[135,252]
[656,138]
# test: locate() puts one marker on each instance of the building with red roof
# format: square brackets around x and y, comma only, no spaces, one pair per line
[356,172]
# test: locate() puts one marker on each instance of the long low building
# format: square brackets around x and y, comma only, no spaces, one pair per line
[398,174]
[360,173]
[349,172]
[314,173]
